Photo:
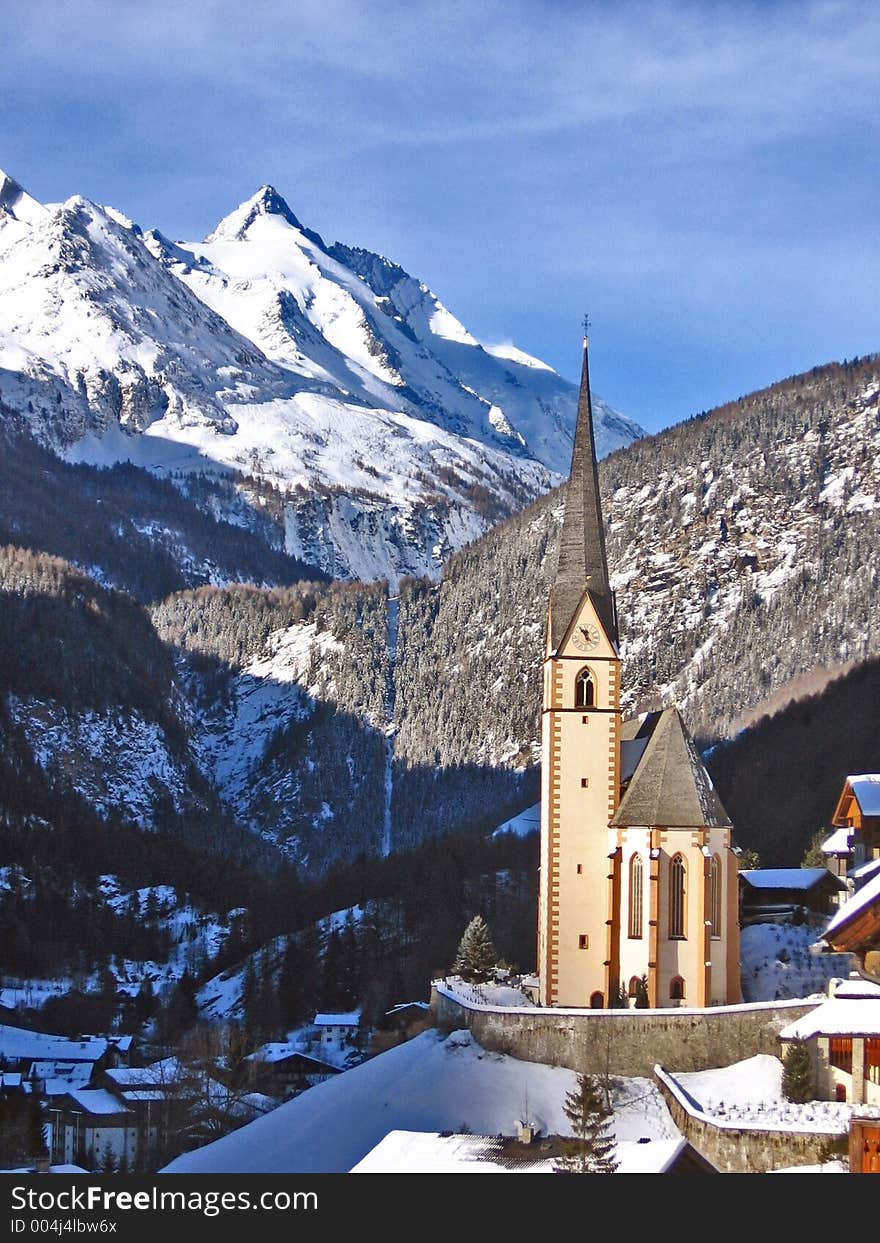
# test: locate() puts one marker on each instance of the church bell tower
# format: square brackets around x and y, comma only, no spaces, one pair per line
[580,738]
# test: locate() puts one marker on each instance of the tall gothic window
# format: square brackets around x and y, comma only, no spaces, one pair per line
[677,878]
[715,896]
[584,690]
[636,876]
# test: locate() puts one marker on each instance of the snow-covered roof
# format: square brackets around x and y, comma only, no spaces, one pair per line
[277,1051]
[866,789]
[838,843]
[787,878]
[407,1005]
[10,1079]
[352,1019]
[97,1101]
[866,896]
[865,869]
[168,1070]
[18,1043]
[432,1152]
[856,987]
[840,1016]
[76,1074]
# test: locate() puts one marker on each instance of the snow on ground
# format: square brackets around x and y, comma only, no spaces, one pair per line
[749,1095]
[830,1167]
[776,963]
[528,821]
[429,1084]
[267,695]
[112,758]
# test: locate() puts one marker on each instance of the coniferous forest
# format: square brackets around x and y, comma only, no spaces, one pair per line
[186,706]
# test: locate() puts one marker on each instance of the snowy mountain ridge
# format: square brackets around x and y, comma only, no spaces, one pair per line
[392,433]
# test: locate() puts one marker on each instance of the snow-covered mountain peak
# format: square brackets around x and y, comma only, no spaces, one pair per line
[392,432]
[267,202]
[17,203]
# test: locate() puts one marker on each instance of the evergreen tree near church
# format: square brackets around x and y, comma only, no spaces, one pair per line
[592,1150]
[476,954]
[797,1073]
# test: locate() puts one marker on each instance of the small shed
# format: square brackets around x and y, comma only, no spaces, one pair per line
[779,895]
[408,1017]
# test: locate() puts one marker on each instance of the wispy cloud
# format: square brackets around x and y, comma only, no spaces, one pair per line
[506,151]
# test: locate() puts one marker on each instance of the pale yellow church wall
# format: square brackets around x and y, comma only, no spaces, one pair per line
[579,745]
[682,957]
[677,957]
[634,951]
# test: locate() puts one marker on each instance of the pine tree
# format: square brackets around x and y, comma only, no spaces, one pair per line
[813,855]
[642,1002]
[299,979]
[619,999]
[476,954]
[36,1129]
[592,1151]
[797,1074]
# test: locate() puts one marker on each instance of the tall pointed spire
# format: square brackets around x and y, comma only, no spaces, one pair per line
[582,560]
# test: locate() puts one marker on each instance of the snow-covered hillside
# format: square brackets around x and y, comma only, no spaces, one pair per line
[393,434]
[431,1083]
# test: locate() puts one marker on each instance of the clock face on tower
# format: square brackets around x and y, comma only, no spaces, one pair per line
[586,638]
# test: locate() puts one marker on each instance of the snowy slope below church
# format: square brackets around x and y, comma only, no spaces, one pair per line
[393,435]
[431,1083]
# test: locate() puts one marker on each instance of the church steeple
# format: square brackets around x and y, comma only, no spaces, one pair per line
[582,560]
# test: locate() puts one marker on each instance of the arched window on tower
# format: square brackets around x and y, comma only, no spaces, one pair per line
[715,896]
[676,988]
[584,690]
[677,894]
[636,890]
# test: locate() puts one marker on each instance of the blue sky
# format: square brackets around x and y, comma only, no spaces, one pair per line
[702,177]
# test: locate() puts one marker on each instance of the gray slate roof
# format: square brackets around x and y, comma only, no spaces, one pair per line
[582,560]
[670,785]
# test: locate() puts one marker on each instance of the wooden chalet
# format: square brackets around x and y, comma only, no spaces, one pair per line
[777,895]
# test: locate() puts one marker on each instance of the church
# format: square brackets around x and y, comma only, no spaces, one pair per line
[638,883]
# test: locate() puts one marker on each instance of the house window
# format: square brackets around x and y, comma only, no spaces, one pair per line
[715,896]
[872,1060]
[584,690]
[633,989]
[585,781]
[840,1053]
[676,988]
[636,890]
[677,877]
[583,941]
[580,869]
[597,1002]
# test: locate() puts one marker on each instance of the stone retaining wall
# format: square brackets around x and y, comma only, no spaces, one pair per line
[621,1042]
[740,1149]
